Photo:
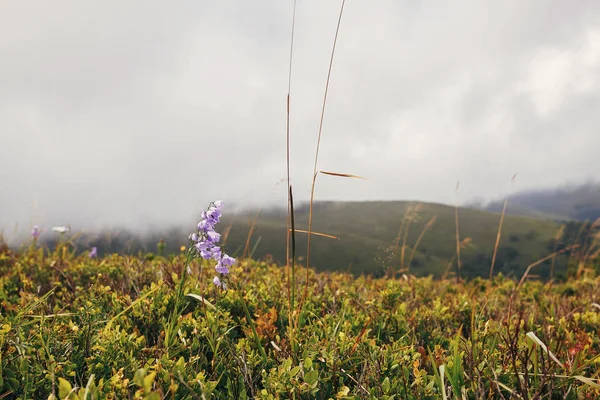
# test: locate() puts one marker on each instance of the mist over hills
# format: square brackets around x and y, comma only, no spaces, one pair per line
[573,202]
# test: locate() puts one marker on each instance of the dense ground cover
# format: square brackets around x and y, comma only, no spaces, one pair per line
[118,327]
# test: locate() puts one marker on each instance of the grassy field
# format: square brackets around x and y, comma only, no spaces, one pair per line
[121,327]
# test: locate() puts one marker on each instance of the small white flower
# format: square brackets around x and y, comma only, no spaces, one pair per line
[61,229]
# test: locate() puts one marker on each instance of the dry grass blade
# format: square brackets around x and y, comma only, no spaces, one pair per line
[359,337]
[226,233]
[250,231]
[423,231]
[537,341]
[316,234]
[312,189]
[592,246]
[202,300]
[287,142]
[577,240]
[391,273]
[499,233]
[411,216]
[588,381]
[341,175]
[557,237]
[458,266]
[541,260]
[292,270]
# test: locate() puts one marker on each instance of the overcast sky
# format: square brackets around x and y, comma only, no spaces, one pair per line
[141,112]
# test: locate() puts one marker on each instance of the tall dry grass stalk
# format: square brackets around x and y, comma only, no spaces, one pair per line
[287,142]
[499,232]
[411,216]
[458,263]
[462,245]
[226,233]
[250,231]
[559,234]
[315,172]
[391,272]
[576,240]
[516,290]
[427,227]
[290,228]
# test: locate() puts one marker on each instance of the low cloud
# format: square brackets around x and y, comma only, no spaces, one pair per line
[142,114]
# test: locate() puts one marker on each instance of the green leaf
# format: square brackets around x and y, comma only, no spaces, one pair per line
[148,381]
[308,363]
[180,364]
[294,371]
[5,328]
[344,390]
[311,377]
[138,378]
[386,385]
[64,388]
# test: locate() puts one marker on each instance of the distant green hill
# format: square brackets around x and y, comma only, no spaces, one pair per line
[367,229]
[367,232]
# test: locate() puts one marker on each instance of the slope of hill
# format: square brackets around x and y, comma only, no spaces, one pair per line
[567,203]
[367,231]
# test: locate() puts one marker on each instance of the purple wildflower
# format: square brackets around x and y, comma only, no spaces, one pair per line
[219,283]
[213,214]
[213,236]
[205,225]
[93,252]
[205,241]
[210,253]
[228,261]
[222,269]
[35,232]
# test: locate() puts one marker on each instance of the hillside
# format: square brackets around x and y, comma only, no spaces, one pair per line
[366,233]
[366,229]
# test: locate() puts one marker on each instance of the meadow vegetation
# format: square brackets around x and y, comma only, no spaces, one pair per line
[125,327]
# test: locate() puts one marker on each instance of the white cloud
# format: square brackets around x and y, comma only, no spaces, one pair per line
[145,113]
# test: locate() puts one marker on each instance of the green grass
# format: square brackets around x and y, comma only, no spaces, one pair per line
[79,328]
